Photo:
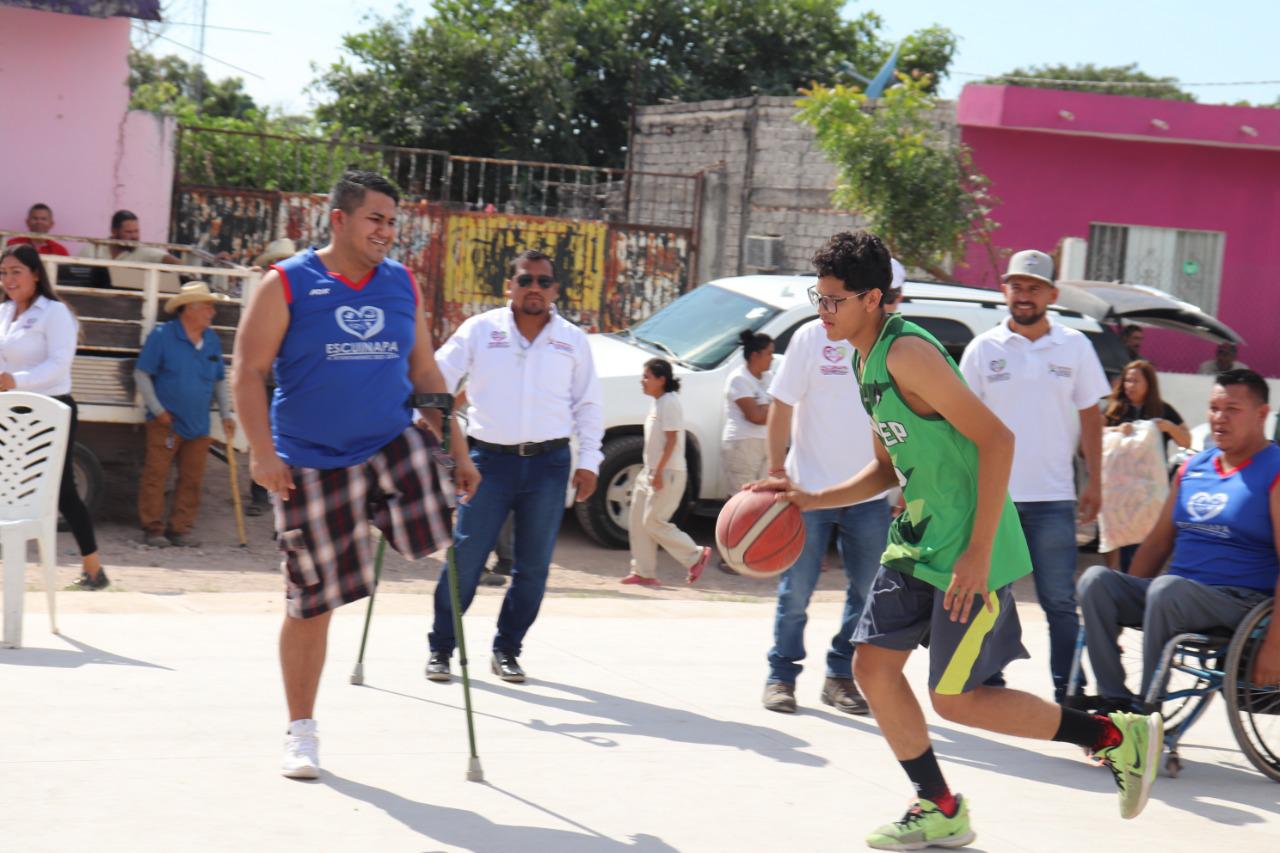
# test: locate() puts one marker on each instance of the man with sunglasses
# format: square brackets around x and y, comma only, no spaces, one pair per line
[531,386]
[1044,382]
[946,576]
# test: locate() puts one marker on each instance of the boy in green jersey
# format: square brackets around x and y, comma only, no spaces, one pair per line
[951,557]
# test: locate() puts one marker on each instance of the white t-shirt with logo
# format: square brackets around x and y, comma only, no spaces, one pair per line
[742,383]
[665,415]
[830,430]
[1037,388]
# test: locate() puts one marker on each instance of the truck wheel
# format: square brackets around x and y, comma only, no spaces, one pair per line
[89,479]
[604,515]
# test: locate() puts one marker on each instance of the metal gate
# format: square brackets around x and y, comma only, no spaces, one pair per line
[624,243]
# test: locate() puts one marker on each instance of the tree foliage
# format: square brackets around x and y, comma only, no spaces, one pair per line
[1047,76]
[900,170]
[228,141]
[170,84]
[556,79]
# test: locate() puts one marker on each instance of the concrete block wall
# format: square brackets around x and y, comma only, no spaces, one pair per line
[775,180]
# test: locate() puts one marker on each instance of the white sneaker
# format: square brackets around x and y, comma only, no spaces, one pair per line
[301,751]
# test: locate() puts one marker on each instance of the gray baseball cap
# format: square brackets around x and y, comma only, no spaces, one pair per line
[1031,264]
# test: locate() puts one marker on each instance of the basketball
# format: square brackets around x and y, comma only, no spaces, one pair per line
[758,536]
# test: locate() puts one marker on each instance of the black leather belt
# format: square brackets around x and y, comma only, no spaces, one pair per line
[529,448]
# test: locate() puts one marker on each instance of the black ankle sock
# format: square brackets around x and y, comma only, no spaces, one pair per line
[1083,729]
[926,775]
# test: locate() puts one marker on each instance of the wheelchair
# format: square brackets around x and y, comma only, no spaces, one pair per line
[1193,669]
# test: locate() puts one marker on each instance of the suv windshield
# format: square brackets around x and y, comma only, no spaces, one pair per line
[701,328]
[1111,351]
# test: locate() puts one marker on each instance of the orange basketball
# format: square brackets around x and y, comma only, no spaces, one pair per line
[759,536]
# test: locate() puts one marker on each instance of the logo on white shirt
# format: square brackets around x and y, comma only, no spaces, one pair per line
[318,291]
[498,340]
[1203,506]
[563,346]
[1060,371]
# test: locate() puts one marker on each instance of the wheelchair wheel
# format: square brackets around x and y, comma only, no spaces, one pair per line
[1254,711]
[1198,691]
[1178,710]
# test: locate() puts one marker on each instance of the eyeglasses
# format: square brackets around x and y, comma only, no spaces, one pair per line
[830,304]
[544,281]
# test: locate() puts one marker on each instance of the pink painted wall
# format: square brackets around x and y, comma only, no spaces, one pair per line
[67,137]
[1054,177]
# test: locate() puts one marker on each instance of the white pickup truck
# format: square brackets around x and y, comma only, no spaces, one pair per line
[699,331]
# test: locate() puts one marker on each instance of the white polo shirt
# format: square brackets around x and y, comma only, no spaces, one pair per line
[1037,388]
[830,430]
[520,391]
[37,348]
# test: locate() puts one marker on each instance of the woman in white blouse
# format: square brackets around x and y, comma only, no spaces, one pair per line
[37,345]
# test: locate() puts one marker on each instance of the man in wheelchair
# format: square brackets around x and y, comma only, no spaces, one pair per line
[1219,524]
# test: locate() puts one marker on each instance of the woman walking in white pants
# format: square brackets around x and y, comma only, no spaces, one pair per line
[661,484]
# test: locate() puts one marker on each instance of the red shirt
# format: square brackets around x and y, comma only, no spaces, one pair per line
[50,247]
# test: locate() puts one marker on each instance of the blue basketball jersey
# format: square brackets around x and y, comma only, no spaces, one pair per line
[342,373]
[1223,520]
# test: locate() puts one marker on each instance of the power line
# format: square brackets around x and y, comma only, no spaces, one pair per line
[214,27]
[1117,83]
[208,56]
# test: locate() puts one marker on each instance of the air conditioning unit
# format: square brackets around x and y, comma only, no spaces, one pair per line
[764,252]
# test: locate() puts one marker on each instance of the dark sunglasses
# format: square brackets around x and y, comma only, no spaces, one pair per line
[544,281]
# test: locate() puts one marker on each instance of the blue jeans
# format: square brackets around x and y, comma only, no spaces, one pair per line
[1050,528]
[861,534]
[533,487]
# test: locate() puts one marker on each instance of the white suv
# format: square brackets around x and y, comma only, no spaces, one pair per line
[698,333]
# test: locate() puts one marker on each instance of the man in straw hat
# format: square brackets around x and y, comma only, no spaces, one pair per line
[179,373]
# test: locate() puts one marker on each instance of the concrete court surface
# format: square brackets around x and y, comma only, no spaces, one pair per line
[155,721]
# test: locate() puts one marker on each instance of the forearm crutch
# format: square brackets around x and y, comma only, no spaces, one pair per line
[444,402]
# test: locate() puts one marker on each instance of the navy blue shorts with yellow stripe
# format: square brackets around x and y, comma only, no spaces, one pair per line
[904,612]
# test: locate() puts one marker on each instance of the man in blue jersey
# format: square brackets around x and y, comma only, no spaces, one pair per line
[343,331]
[1219,523]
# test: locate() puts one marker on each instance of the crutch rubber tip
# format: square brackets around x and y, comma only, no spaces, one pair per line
[474,771]
[357,674]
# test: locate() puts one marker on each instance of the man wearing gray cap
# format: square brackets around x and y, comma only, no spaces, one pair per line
[1044,381]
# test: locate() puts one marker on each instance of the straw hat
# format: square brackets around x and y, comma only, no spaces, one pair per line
[193,291]
[276,251]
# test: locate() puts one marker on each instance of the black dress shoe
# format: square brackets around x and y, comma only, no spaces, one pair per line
[505,666]
[438,667]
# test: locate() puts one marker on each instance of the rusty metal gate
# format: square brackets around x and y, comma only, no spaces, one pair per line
[623,242]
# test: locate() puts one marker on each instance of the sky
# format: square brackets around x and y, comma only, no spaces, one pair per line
[1196,42]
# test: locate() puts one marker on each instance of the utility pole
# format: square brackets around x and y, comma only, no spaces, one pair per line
[200,72]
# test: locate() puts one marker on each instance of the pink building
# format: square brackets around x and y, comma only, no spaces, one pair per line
[69,138]
[1180,196]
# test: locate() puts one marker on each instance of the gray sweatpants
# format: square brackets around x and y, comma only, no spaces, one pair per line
[1165,607]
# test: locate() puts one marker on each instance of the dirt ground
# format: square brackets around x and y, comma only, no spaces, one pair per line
[580,567]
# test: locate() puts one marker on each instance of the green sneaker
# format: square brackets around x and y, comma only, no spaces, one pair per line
[1135,759]
[924,825]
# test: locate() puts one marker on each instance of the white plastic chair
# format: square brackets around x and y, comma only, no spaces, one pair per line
[33,444]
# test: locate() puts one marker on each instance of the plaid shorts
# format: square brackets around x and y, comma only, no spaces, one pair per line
[326,527]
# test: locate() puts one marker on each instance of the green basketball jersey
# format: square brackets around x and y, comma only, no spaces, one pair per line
[938,470]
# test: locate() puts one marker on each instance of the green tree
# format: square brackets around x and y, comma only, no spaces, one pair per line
[901,172]
[1048,77]
[556,79]
[170,84]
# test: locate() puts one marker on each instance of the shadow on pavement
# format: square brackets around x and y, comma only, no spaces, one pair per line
[470,831]
[83,655]
[645,719]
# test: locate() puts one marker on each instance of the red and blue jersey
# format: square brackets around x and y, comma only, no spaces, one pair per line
[342,372]
[1223,519]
